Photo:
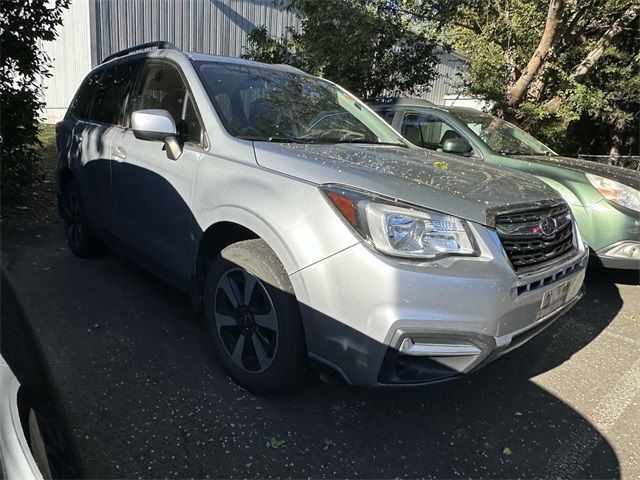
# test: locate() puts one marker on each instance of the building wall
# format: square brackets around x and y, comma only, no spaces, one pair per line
[70,56]
[219,27]
[94,29]
[448,80]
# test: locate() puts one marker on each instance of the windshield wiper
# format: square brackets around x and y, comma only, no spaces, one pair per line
[516,153]
[369,142]
[533,154]
[284,140]
[319,141]
[272,139]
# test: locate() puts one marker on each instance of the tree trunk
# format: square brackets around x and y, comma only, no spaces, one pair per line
[554,17]
[537,85]
[580,71]
[616,142]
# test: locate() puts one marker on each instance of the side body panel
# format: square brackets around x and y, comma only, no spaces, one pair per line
[152,197]
[89,161]
[292,216]
[16,460]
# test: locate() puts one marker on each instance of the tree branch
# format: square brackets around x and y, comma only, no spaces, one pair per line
[554,17]
[580,71]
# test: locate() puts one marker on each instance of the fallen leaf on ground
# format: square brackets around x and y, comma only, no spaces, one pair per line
[441,165]
[274,443]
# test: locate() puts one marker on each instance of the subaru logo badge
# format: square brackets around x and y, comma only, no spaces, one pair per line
[548,226]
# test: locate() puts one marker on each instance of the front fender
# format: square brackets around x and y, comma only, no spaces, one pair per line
[258,225]
[567,194]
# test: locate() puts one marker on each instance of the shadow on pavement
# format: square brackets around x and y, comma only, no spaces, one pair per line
[37,392]
[146,397]
[575,330]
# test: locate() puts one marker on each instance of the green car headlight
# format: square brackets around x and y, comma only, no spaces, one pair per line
[616,192]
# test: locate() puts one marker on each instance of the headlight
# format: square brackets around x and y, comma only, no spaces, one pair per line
[401,230]
[616,192]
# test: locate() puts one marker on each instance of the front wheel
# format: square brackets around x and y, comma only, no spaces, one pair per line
[254,318]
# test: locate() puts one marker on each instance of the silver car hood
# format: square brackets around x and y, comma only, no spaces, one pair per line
[464,188]
[625,176]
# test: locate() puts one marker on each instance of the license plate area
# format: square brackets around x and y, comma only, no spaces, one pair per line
[553,299]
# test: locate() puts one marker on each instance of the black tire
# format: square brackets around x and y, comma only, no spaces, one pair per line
[80,238]
[270,324]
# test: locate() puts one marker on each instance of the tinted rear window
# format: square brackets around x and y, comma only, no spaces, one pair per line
[112,94]
[81,104]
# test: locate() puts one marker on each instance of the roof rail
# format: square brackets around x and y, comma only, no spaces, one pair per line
[160,45]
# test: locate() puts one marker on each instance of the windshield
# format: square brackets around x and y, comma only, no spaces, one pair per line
[269,104]
[501,136]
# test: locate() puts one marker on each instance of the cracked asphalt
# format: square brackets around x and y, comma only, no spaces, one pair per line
[141,394]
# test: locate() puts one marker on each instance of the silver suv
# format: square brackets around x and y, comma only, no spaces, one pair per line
[305,226]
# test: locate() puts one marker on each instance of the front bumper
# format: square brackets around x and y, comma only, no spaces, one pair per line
[622,255]
[610,229]
[359,306]
[399,368]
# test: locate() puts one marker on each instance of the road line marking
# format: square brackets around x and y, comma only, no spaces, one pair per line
[633,341]
[573,453]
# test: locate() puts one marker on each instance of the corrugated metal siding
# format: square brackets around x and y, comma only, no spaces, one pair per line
[94,29]
[218,27]
[448,80]
[70,56]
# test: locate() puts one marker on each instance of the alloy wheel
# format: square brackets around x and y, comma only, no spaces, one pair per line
[72,218]
[246,320]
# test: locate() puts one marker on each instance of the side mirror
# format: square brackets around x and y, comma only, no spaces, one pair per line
[456,145]
[157,125]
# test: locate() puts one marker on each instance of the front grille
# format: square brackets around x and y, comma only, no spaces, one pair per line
[535,236]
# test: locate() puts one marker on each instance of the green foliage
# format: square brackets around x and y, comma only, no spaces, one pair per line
[499,38]
[367,46]
[23,24]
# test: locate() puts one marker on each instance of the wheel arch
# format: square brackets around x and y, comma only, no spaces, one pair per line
[227,226]
[65,175]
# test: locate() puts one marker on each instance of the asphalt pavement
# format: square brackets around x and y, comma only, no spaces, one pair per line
[142,394]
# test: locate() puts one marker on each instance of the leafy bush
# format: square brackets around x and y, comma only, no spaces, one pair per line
[370,47]
[23,25]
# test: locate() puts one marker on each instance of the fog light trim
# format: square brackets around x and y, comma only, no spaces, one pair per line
[625,250]
[409,347]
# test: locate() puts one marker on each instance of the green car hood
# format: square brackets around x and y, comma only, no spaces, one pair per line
[625,176]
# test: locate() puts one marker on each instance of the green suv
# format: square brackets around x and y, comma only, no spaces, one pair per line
[604,199]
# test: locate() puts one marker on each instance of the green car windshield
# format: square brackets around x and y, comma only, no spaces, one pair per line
[501,136]
[276,105]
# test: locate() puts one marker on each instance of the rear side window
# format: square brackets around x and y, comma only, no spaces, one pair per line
[426,131]
[112,94]
[387,115]
[81,104]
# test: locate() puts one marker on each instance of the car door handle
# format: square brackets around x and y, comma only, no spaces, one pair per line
[119,153]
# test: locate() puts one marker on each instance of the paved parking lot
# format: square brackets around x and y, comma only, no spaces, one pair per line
[144,396]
